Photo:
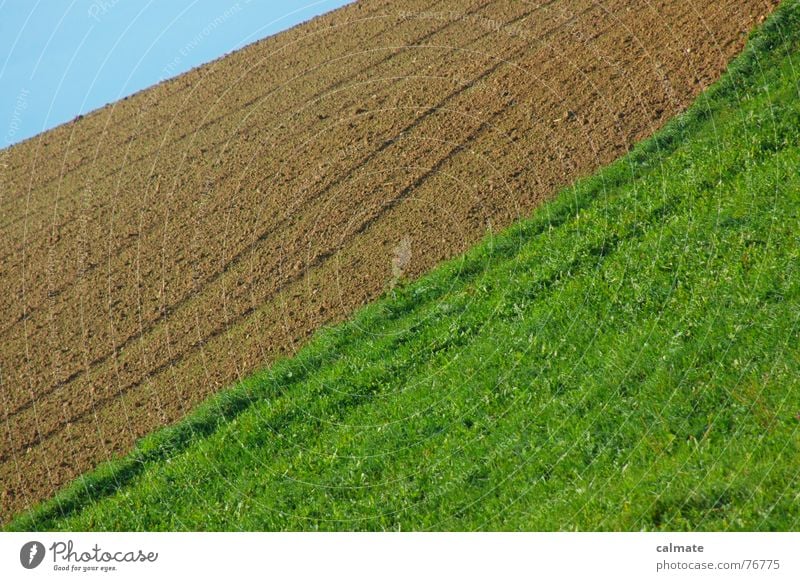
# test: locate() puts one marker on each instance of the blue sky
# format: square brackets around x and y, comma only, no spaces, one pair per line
[62,58]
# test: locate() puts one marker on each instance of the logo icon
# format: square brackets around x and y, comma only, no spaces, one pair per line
[31,554]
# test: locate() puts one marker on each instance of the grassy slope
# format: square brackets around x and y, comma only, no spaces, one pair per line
[628,358]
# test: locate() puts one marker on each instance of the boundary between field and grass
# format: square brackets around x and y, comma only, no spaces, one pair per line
[780,29]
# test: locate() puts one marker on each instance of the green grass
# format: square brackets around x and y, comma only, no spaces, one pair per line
[625,359]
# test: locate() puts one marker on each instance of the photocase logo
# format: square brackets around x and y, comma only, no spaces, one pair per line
[31,554]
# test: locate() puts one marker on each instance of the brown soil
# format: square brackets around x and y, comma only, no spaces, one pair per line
[163,247]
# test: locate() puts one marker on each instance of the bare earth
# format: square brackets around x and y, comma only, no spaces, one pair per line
[159,249]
